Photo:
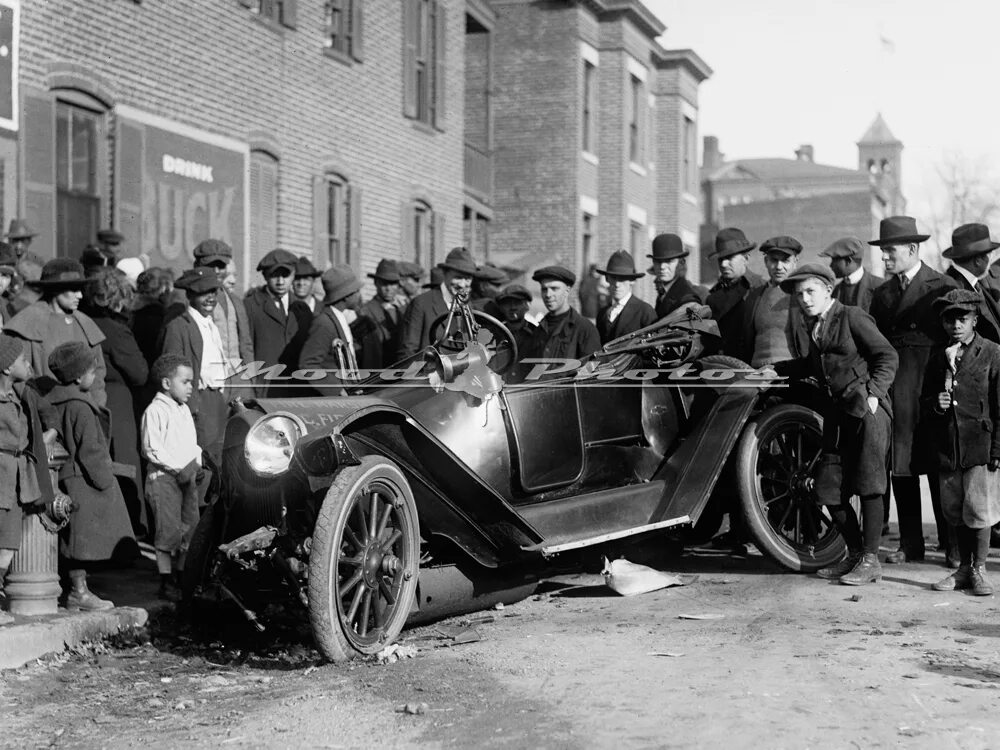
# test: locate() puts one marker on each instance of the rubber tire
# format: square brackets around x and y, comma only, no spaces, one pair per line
[770,542]
[327,629]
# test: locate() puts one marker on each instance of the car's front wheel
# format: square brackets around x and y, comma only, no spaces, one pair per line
[775,462]
[364,560]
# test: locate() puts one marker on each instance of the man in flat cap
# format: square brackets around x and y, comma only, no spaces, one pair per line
[486,285]
[563,333]
[109,242]
[230,313]
[971,246]
[903,310]
[459,269]
[279,323]
[625,312]
[514,301]
[410,275]
[304,282]
[380,343]
[855,286]
[727,298]
[841,347]
[331,344]
[672,289]
[961,400]
[771,313]
[194,336]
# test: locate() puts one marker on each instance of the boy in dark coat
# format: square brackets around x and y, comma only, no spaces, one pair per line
[961,402]
[100,528]
[840,346]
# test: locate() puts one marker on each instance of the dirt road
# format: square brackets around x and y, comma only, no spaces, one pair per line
[793,662]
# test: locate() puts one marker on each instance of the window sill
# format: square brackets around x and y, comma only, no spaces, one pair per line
[424,127]
[590,158]
[637,169]
[270,23]
[336,54]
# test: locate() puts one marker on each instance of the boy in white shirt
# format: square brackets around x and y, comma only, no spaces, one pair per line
[170,445]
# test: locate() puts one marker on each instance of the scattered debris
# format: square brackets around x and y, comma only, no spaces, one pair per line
[707,616]
[943,604]
[666,653]
[855,598]
[395,652]
[456,635]
[414,709]
[498,605]
[628,578]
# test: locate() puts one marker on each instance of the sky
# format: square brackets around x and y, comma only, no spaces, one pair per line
[788,72]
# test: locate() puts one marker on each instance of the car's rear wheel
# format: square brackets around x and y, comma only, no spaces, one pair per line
[364,560]
[775,462]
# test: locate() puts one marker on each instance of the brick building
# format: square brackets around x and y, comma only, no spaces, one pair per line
[815,203]
[349,130]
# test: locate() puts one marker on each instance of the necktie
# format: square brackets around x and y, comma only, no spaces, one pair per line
[817,328]
[904,281]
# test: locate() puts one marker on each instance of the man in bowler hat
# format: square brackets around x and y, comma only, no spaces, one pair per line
[855,285]
[971,246]
[903,310]
[672,289]
[459,269]
[771,313]
[563,333]
[625,313]
[381,342]
[727,298]
[331,344]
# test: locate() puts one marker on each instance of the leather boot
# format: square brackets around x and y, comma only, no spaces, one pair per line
[846,565]
[960,579]
[867,570]
[82,598]
[980,586]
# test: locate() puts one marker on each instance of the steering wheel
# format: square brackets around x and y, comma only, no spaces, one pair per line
[494,335]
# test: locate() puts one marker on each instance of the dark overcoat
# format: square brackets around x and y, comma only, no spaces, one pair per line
[41,416]
[415,333]
[277,336]
[318,352]
[728,304]
[100,528]
[908,320]
[380,343]
[988,325]
[569,337]
[635,315]
[680,292]
[967,434]
[857,295]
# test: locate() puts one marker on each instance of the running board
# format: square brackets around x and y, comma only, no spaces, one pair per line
[554,549]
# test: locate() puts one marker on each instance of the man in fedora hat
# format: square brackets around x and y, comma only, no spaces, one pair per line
[841,347]
[381,342]
[459,269]
[903,310]
[331,344]
[195,336]
[304,282]
[230,313]
[563,333]
[672,289]
[772,315]
[969,254]
[279,323]
[56,319]
[728,297]
[625,312]
[20,236]
[856,285]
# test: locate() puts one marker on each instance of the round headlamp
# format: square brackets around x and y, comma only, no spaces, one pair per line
[271,441]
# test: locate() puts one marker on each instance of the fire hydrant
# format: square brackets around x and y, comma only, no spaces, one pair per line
[32,585]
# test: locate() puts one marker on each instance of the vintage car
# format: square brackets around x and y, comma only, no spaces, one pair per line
[441,487]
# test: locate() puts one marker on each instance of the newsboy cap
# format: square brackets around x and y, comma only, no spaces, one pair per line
[782,244]
[200,280]
[71,360]
[110,236]
[514,291]
[277,259]
[554,272]
[212,249]
[845,247]
[958,300]
[731,241]
[807,271]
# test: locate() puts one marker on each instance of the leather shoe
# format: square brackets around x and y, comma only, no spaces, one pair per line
[87,601]
[960,579]
[980,586]
[901,556]
[866,571]
[836,570]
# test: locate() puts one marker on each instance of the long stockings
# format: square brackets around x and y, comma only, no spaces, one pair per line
[846,521]
[973,544]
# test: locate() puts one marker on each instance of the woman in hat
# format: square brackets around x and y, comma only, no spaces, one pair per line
[672,288]
[624,313]
[56,319]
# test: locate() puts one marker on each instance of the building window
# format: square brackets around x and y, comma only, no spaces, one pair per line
[636,240]
[263,205]
[589,106]
[423,63]
[343,27]
[635,117]
[690,146]
[281,12]
[423,234]
[587,242]
[476,232]
[336,220]
[78,200]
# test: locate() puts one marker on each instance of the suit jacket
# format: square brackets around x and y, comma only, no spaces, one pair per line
[182,337]
[860,294]
[318,352]
[635,315]
[680,292]
[852,359]
[728,304]
[992,279]
[245,343]
[989,311]
[967,434]
[380,341]
[416,330]
[277,337]
[908,320]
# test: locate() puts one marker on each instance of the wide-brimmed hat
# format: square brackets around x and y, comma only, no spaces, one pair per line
[93,257]
[71,360]
[958,300]
[19,230]
[559,273]
[62,273]
[807,271]
[621,264]
[436,280]
[277,259]
[514,291]
[8,259]
[667,247]
[339,282]
[782,244]
[411,270]
[386,270]
[970,240]
[845,247]
[304,269]
[198,280]
[731,241]
[212,251]
[898,230]
[459,259]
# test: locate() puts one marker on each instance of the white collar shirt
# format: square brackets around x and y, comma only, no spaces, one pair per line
[855,277]
[617,307]
[214,363]
[169,439]
[972,279]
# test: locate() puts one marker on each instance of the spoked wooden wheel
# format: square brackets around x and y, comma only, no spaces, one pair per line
[776,461]
[364,560]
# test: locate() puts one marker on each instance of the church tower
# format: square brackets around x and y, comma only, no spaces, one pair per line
[880,154]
